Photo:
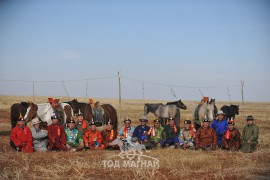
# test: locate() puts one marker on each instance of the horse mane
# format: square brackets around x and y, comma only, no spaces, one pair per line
[24,104]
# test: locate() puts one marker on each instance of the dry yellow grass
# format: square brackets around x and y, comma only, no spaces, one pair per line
[174,164]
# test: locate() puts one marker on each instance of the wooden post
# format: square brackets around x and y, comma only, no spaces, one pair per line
[120,102]
[33,91]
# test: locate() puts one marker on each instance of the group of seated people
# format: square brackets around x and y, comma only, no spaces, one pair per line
[82,135]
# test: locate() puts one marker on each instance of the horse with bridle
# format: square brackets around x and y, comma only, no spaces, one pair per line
[230,111]
[207,109]
[164,112]
[89,112]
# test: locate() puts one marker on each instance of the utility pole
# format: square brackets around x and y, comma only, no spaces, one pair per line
[242,91]
[120,103]
[33,91]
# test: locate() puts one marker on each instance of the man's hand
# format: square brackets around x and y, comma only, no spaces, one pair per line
[53,141]
[146,140]
[248,141]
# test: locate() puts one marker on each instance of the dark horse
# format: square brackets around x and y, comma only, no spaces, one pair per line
[86,109]
[230,111]
[15,111]
[21,108]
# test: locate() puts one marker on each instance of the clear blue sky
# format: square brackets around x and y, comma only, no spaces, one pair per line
[183,43]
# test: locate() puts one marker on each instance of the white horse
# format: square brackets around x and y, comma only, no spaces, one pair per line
[45,111]
[206,110]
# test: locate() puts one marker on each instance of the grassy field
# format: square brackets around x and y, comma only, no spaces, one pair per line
[173,164]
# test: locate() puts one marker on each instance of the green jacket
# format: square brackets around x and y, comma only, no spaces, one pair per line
[250,132]
[158,134]
[169,132]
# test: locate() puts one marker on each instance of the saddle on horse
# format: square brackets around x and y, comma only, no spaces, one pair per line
[98,112]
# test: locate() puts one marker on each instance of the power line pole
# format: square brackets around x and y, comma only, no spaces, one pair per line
[120,103]
[242,91]
[33,91]
[143,89]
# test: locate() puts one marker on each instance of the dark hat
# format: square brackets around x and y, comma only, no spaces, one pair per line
[205,119]
[127,119]
[231,121]
[143,118]
[157,120]
[171,119]
[187,122]
[109,122]
[70,121]
[21,118]
[54,116]
[79,113]
[250,118]
[92,122]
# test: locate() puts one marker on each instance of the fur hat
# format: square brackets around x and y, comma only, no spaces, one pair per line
[21,118]
[70,121]
[127,119]
[53,116]
[171,119]
[109,122]
[231,121]
[80,113]
[205,119]
[92,122]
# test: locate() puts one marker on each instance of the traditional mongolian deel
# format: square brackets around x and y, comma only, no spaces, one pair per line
[22,137]
[93,139]
[56,137]
[74,137]
[206,138]
[231,140]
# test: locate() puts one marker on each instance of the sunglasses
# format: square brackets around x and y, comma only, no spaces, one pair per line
[127,123]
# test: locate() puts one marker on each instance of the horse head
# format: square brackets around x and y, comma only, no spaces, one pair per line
[31,111]
[212,101]
[234,109]
[146,109]
[179,104]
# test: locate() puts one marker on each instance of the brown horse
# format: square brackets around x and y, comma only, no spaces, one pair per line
[86,109]
[21,108]
[110,113]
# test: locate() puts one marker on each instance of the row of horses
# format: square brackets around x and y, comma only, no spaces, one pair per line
[65,110]
[172,110]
